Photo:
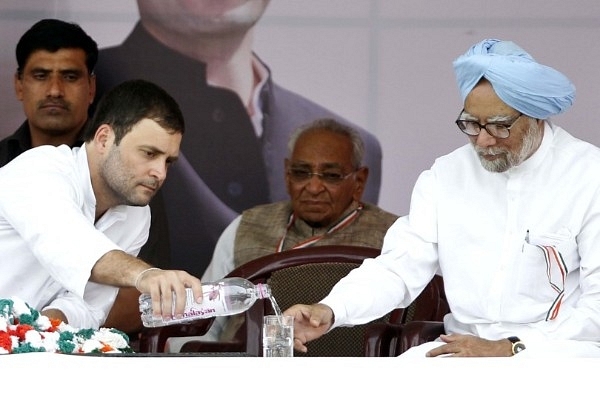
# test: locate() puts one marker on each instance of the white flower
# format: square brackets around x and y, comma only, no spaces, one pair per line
[91,345]
[62,327]
[14,341]
[3,324]
[113,339]
[20,307]
[33,338]
[43,323]
[50,341]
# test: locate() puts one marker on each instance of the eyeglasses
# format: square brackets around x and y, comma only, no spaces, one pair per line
[473,128]
[302,175]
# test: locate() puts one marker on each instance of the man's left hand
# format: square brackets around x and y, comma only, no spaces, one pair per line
[471,346]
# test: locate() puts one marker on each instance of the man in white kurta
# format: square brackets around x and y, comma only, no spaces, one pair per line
[72,216]
[511,221]
[472,224]
[49,221]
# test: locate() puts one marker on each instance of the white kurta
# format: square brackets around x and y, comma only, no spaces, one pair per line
[470,225]
[48,240]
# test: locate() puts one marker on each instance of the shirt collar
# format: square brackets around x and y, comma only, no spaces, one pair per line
[89,201]
[262,73]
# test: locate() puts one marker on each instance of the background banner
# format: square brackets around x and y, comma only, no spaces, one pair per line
[385,65]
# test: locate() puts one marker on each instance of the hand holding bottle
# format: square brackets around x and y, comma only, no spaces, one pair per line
[166,289]
[225,297]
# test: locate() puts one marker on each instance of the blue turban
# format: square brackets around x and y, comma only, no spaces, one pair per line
[534,89]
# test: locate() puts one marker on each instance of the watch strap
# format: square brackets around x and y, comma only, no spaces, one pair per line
[517,345]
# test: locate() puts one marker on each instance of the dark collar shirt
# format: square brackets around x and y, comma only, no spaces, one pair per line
[15,144]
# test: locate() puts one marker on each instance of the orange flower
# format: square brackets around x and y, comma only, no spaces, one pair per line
[20,330]
[55,323]
[106,348]
[5,341]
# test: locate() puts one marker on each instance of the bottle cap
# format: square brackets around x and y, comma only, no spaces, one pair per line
[263,290]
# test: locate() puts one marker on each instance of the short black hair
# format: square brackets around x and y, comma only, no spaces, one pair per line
[132,101]
[52,35]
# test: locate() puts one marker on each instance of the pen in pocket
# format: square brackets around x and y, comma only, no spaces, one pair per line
[526,241]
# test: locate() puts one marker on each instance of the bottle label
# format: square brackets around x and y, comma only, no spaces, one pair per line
[212,303]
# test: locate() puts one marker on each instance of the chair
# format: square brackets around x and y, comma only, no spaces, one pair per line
[295,276]
[422,324]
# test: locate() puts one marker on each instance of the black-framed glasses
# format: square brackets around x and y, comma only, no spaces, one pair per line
[300,175]
[497,130]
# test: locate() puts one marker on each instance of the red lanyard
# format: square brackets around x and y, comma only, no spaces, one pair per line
[345,221]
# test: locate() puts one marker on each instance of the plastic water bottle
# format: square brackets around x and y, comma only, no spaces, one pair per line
[225,297]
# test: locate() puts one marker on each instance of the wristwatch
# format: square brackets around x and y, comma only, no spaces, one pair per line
[517,345]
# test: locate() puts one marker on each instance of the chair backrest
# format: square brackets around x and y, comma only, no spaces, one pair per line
[304,276]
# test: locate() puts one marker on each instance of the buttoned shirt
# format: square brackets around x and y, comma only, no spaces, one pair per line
[502,242]
[49,240]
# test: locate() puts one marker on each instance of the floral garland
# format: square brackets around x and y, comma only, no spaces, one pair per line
[24,330]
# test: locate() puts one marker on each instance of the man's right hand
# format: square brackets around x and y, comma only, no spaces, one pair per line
[120,269]
[310,322]
[162,284]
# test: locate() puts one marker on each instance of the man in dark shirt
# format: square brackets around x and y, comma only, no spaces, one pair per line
[55,82]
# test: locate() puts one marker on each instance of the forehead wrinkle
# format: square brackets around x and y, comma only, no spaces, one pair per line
[492,119]
[319,166]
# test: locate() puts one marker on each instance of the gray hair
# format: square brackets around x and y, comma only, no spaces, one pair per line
[331,125]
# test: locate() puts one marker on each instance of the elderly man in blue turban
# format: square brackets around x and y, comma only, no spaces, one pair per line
[511,221]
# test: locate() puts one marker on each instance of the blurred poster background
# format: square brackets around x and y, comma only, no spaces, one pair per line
[385,65]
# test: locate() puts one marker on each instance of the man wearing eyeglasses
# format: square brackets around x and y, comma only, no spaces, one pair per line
[511,221]
[325,179]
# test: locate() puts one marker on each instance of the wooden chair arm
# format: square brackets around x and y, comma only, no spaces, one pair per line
[200,346]
[381,339]
[391,340]
[153,340]
[415,333]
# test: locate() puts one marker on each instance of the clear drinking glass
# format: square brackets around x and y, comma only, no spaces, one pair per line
[278,336]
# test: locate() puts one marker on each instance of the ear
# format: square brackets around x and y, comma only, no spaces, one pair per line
[286,165]
[92,93]
[104,138]
[362,174]
[18,87]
